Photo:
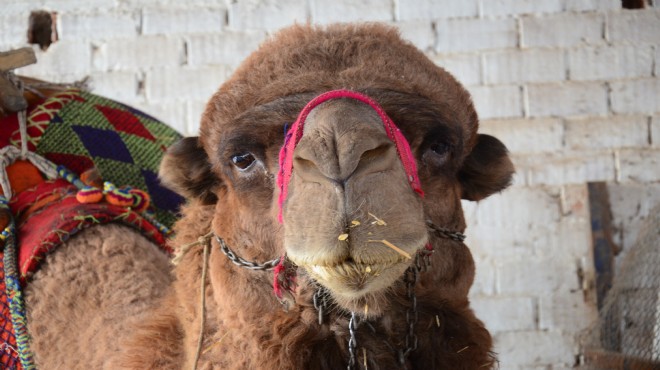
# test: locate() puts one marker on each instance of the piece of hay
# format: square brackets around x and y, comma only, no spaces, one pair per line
[394,247]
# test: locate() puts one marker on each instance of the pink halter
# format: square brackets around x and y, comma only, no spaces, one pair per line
[296,132]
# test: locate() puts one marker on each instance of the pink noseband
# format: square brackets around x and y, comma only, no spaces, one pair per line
[296,132]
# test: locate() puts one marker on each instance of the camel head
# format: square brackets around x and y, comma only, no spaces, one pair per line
[352,202]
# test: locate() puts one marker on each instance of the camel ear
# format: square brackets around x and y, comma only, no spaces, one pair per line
[486,170]
[185,168]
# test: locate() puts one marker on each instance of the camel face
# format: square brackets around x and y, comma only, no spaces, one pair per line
[349,171]
[351,220]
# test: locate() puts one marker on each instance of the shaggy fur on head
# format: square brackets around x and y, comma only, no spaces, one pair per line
[236,159]
[89,293]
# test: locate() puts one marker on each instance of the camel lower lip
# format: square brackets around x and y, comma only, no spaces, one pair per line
[349,274]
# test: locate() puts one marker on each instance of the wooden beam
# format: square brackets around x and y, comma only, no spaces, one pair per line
[17,58]
[601,235]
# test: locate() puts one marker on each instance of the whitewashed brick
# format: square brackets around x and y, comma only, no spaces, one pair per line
[420,34]
[634,26]
[513,7]
[436,9]
[488,241]
[16,9]
[266,14]
[536,276]
[655,131]
[497,101]
[195,110]
[509,210]
[636,96]
[567,168]
[610,62]
[526,136]
[64,61]
[72,6]
[475,34]
[484,278]
[98,26]
[506,314]
[639,165]
[227,48]
[570,312]
[136,53]
[122,86]
[513,66]
[566,29]
[170,84]
[567,99]
[173,114]
[324,12]
[465,67]
[607,132]
[12,32]
[172,20]
[529,348]
[582,5]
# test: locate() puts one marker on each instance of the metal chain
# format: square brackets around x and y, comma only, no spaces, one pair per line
[410,278]
[445,233]
[320,300]
[352,342]
[239,261]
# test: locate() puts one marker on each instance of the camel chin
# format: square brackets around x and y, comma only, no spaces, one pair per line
[355,286]
[360,287]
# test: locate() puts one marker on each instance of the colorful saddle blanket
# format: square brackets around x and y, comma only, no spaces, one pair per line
[79,131]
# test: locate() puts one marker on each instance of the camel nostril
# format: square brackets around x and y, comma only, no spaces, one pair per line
[374,154]
[379,159]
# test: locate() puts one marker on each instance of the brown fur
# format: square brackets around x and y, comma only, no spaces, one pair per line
[246,326]
[84,300]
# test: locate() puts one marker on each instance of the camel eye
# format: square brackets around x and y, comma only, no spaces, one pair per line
[440,148]
[437,154]
[242,161]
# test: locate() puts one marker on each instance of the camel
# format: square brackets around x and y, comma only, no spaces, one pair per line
[347,152]
[322,228]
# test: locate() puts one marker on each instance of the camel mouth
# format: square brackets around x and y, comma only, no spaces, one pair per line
[352,280]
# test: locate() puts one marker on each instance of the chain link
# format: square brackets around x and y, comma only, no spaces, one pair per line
[320,300]
[352,342]
[445,233]
[410,279]
[239,261]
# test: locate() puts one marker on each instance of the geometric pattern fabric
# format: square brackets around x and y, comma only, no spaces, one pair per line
[80,130]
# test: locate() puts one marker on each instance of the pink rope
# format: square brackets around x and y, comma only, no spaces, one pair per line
[296,132]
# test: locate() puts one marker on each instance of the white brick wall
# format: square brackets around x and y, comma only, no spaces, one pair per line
[497,101]
[607,132]
[572,99]
[163,21]
[624,61]
[517,66]
[636,96]
[635,27]
[570,86]
[266,15]
[467,34]
[439,9]
[565,29]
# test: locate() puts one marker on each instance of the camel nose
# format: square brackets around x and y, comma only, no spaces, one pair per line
[342,138]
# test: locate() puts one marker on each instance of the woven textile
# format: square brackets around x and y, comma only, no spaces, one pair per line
[80,130]
[62,217]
